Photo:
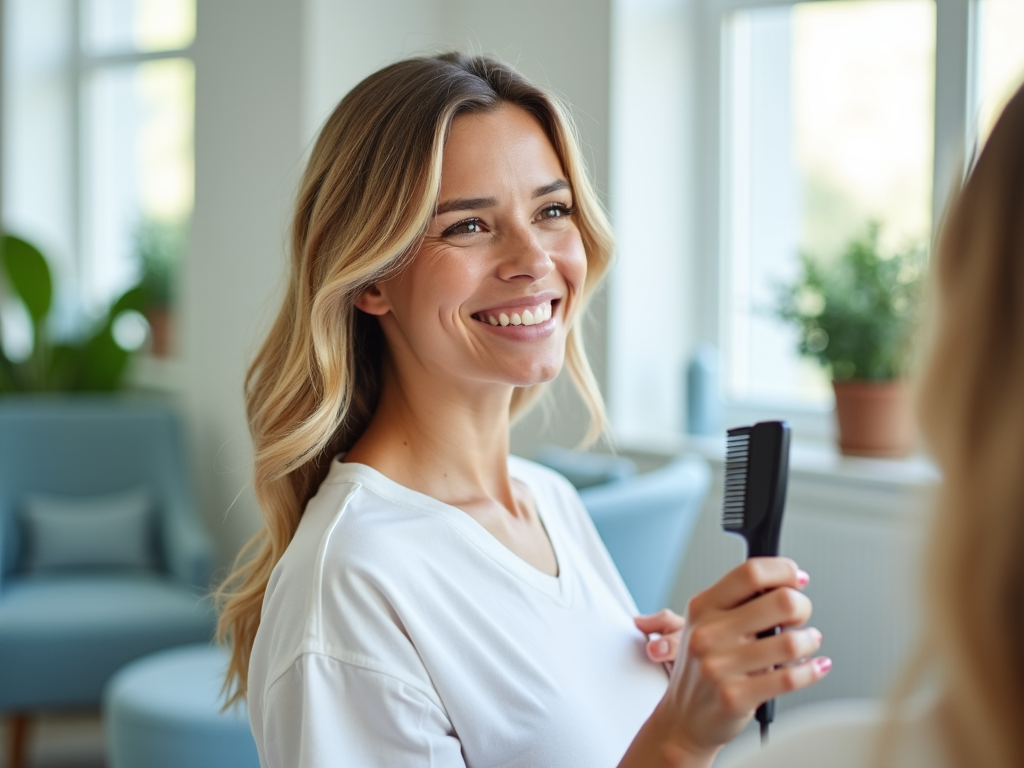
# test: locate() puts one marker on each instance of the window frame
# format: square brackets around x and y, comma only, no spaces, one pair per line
[81,65]
[954,63]
[75,66]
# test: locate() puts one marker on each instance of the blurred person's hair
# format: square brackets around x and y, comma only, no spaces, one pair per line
[971,411]
[369,191]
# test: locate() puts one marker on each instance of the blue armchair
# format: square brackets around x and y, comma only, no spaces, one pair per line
[81,594]
[645,519]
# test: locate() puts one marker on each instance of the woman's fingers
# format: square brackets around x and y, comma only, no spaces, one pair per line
[782,607]
[756,575]
[667,626]
[743,695]
[722,670]
[664,649]
[765,654]
[663,622]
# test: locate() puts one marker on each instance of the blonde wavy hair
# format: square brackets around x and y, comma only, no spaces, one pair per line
[971,410]
[368,193]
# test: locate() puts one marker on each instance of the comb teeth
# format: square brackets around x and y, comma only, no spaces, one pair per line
[735,491]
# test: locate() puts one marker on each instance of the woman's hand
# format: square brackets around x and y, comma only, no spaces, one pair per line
[722,670]
[668,628]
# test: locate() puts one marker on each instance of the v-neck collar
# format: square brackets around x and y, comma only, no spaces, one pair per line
[557,587]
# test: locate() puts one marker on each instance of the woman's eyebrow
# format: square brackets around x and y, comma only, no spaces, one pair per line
[475,203]
[554,186]
[466,204]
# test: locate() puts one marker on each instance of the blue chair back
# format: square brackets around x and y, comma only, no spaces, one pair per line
[85,445]
[645,522]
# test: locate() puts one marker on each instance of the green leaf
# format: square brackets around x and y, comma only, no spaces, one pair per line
[103,362]
[133,299]
[29,276]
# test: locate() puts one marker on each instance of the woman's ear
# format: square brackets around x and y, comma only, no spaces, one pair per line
[372,301]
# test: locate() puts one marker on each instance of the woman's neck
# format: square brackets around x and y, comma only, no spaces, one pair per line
[451,445]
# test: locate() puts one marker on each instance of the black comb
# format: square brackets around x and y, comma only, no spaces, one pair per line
[756,471]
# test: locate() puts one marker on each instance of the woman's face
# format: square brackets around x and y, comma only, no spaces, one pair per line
[491,293]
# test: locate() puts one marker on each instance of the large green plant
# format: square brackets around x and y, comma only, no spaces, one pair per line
[90,361]
[855,314]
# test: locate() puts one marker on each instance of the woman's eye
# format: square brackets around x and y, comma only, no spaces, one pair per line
[556,211]
[467,227]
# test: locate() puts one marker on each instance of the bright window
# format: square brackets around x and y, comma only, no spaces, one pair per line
[98,128]
[796,124]
[1000,58]
[830,120]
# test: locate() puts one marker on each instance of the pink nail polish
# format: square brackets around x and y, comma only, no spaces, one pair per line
[661,647]
[823,664]
[802,577]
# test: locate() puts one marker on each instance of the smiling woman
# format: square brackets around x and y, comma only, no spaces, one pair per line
[501,265]
[418,597]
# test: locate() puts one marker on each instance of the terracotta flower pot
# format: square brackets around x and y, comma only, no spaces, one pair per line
[159,319]
[874,418]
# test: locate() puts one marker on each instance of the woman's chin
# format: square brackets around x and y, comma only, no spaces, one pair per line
[540,374]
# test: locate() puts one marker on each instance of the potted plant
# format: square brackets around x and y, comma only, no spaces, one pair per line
[160,245]
[91,360]
[855,315]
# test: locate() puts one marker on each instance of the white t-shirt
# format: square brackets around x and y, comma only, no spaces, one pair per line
[396,631]
[845,734]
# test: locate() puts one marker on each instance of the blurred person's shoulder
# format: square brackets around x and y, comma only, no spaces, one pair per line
[845,734]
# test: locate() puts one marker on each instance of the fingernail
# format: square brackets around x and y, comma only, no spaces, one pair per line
[661,648]
[823,664]
[802,577]
[816,633]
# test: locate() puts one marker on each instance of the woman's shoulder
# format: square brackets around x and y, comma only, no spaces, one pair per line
[362,520]
[349,575]
[845,734]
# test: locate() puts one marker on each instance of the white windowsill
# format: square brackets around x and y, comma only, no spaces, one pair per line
[155,374]
[809,460]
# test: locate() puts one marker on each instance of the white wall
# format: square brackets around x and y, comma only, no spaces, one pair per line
[267,74]
[652,121]
[346,40]
[248,150]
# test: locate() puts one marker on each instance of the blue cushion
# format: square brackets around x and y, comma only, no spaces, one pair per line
[164,711]
[108,531]
[62,638]
[584,470]
[646,522]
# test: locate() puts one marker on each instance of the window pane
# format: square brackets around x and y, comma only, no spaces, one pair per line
[829,125]
[121,26]
[1000,58]
[139,166]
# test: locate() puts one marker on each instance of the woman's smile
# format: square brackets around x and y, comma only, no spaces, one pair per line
[532,311]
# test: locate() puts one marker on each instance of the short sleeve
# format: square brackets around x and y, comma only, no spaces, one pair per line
[326,713]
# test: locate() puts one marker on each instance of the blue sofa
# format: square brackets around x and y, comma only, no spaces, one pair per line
[88,582]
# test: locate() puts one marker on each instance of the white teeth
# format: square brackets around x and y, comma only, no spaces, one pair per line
[533,316]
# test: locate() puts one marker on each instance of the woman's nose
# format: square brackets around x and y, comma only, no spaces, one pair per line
[524,255]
